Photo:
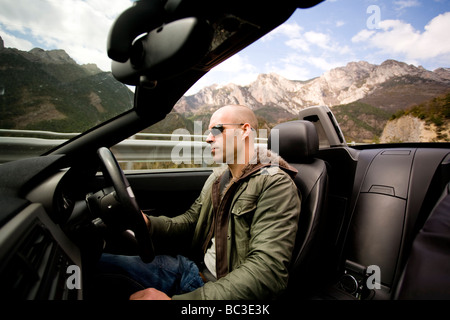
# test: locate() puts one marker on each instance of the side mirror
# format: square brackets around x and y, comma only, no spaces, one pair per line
[165,51]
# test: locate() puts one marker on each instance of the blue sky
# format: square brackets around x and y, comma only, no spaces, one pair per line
[334,33]
[307,45]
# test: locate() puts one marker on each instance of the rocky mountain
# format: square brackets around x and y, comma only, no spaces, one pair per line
[356,81]
[425,122]
[362,95]
[41,89]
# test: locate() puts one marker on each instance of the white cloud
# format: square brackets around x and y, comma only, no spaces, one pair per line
[298,44]
[301,66]
[402,40]
[293,72]
[290,68]
[309,52]
[235,69]
[296,39]
[319,39]
[11,41]
[289,30]
[79,27]
[307,41]
[324,63]
[434,41]
[402,4]
[363,35]
[236,63]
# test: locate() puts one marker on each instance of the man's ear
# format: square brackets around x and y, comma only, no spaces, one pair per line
[247,131]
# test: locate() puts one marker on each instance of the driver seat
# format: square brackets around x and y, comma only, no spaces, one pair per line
[298,144]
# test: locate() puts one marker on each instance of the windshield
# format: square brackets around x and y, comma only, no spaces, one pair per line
[381,68]
[55,79]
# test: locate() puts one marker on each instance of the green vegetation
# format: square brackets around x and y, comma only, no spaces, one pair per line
[268,116]
[45,96]
[170,123]
[360,121]
[436,111]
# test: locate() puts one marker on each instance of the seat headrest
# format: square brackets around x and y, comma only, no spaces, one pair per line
[297,140]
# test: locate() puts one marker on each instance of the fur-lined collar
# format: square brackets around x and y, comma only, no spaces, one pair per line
[267,158]
[263,159]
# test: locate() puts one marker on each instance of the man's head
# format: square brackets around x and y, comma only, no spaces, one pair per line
[232,135]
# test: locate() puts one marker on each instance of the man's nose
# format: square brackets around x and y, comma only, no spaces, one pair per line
[210,138]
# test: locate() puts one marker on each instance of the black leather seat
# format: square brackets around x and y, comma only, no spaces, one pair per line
[427,272]
[297,142]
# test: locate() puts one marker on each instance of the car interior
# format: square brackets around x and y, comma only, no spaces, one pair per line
[362,206]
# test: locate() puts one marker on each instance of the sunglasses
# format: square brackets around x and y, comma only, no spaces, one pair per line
[219,128]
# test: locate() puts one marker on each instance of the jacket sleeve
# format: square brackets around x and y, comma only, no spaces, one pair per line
[264,273]
[167,232]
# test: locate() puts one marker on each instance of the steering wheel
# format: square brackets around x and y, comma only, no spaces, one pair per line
[132,216]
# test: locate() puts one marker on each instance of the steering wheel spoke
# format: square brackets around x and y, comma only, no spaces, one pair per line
[132,217]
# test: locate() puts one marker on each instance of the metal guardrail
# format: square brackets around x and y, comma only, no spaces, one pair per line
[15,148]
[38,134]
[142,147]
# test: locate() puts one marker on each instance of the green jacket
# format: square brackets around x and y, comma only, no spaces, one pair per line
[262,225]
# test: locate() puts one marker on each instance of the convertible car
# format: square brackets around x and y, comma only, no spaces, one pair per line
[375,218]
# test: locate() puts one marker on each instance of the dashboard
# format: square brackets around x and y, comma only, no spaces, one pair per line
[39,261]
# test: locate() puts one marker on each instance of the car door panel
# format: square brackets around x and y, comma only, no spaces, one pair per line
[167,193]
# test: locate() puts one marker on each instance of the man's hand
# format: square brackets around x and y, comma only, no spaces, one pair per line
[146,219]
[149,294]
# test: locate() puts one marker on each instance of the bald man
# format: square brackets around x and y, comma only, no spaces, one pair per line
[241,228]
[231,137]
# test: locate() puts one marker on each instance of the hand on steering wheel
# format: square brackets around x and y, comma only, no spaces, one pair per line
[132,215]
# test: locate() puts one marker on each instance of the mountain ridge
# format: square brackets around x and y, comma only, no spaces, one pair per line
[362,96]
[44,89]
[342,85]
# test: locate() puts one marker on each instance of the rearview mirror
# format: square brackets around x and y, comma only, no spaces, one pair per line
[165,51]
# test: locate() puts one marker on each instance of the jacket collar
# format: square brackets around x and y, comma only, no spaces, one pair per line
[266,158]
[262,159]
